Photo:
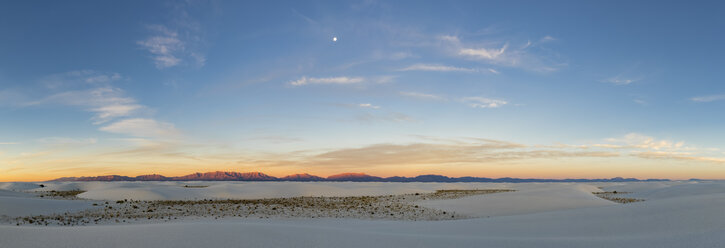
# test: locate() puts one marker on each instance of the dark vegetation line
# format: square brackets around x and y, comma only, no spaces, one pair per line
[616,197]
[386,207]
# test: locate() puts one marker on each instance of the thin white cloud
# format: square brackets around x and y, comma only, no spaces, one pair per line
[164,45]
[492,54]
[547,39]
[436,67]
[103,78]
[168,48]
[199,58]
[384,79]
[67,141]
[679,156]
[647,147]
[277,139]
[424,96]
[457,152]
[620,80]
[141,127]
[142,142]
[493,71]
[9,143]
[631,74]
[329,80]
[368,105]
[106,102]
[304,17]
[386,117]
[108,112]
[449,38]
[710,98]
[527,45]
[482,102]
[636,140]
[401,55]
[500,53]
[79,78]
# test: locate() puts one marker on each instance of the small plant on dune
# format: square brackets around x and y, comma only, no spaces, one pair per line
[613,196]
[196,186]
[61,194]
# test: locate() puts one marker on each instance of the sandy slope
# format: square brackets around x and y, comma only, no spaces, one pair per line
[13,203]
[684,222]
[676,215]
[250,190]
[547,196]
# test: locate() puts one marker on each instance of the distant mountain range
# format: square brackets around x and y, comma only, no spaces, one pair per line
[345,177]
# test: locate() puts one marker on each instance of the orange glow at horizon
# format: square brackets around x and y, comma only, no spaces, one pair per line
[486,158]
[570,169]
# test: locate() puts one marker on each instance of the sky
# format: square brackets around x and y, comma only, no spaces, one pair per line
[545,89]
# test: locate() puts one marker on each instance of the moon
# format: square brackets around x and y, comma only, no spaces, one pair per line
[334,39]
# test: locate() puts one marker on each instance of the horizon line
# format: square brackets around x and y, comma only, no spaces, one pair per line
[364,174]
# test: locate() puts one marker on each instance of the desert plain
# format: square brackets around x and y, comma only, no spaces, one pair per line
[362,214]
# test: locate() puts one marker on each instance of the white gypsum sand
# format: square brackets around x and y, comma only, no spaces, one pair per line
[678,214]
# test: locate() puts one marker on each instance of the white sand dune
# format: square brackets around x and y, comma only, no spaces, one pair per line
[249,190]
[546,196]
[18,186]
[673,190]
[667,223]
[22,205]
[675,214]
[8,193]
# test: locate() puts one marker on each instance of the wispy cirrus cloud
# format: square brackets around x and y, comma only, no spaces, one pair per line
[79,78]
[637,140]
[141,127]
[547,39]
[620,81]
[640,101]
[106,102]
[368,105]
[482,102]
[96,94]
[424,96]
[383,117]
[358,105]
[679,156]
[492,54]
[62,141]
[708,98]
[528,56]
[328,80]
[179,38]
[164,46]
[111,106]
[630,74]
[436,67]
[168,48]
[456,152]
[277,139]
[648,147]
[103,78]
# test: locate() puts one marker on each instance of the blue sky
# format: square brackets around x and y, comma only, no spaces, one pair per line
[577,89]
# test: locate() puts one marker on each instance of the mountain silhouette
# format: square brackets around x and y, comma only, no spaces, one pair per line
[344,177]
